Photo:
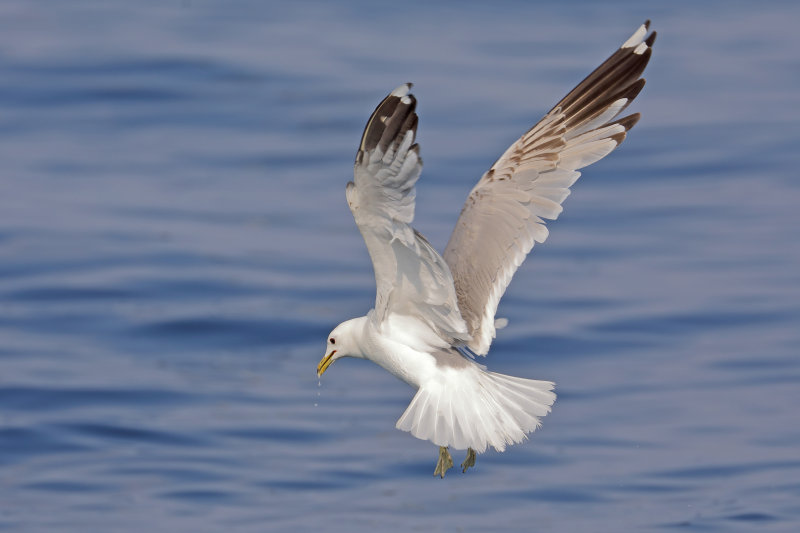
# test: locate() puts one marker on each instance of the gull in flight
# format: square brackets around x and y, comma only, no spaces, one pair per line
[434,314]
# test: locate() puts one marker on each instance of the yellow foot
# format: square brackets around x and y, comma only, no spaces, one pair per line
[469,461]
[445,462]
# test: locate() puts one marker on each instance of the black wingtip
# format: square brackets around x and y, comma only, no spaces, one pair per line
[629,121]
[393,117]
[633,90]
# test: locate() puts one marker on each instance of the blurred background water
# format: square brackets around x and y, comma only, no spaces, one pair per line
[175,245]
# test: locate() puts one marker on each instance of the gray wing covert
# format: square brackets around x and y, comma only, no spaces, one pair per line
[504,215]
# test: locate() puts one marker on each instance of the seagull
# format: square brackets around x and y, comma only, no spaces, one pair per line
[435,314]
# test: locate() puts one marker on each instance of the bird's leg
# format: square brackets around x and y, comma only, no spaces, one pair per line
[469,461]
[445,462]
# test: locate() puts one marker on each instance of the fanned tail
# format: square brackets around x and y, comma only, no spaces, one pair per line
[472,408]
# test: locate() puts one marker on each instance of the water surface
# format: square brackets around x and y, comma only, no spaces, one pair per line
[175,245]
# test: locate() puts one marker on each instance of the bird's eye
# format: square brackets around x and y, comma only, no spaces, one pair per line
[333,341]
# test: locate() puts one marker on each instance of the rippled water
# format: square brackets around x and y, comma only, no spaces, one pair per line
[175,245]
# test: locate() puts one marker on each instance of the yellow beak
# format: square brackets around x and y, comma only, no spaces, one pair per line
[325,363]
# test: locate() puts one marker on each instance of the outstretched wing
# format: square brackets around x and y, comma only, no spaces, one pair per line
[412,278]
[503,215]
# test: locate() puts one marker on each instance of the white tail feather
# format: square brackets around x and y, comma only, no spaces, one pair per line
[477,409]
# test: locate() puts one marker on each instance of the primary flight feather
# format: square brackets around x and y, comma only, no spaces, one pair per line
[433,312]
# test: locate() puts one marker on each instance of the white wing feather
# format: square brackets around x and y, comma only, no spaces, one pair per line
[412,279]
[504,215]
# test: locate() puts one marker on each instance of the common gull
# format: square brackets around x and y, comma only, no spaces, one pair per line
[434,314]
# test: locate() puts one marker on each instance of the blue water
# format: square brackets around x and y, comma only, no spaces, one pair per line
[175,245]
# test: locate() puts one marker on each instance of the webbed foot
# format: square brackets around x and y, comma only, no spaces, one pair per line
[469,461]
[445,462]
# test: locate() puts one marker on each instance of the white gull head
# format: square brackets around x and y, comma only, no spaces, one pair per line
[343,341]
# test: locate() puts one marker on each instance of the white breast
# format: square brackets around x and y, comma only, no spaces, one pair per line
[400,347]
